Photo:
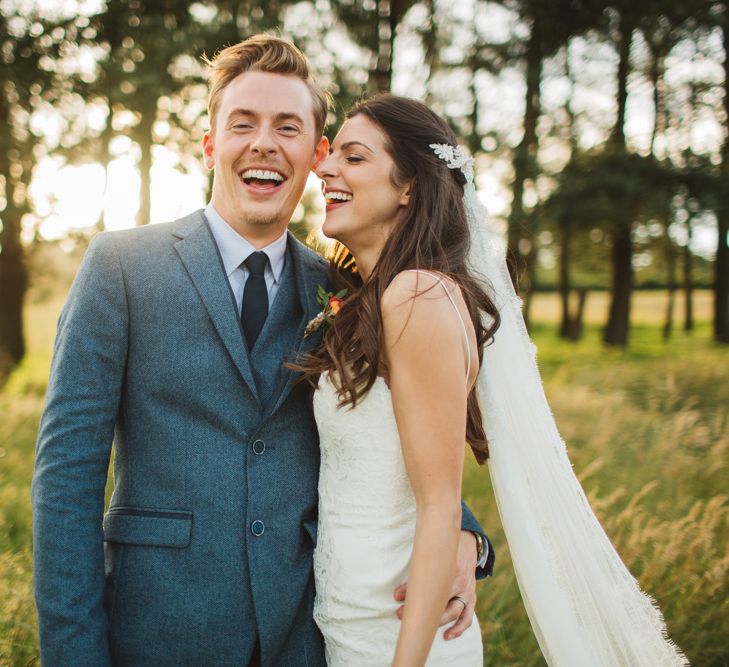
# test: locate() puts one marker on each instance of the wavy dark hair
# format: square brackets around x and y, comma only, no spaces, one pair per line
[431,234]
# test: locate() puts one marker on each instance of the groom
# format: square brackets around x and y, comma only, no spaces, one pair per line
[171,344]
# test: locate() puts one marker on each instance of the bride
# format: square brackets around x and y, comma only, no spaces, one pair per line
[396,377]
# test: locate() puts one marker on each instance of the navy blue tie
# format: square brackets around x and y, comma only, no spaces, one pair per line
[255,298]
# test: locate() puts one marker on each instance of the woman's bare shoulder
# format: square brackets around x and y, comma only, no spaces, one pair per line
[422,302]
[419,285]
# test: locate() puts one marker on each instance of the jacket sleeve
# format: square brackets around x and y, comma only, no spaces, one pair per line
[469,522]
[72,461]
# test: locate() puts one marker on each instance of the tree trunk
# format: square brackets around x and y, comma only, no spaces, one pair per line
[626,34]
[576,323]
[13,284]
[618,325]
[429,37]
[144,139]
[721,266]
[657,71]
[385,25]
[521,235]
[688,280]
[474,136]
[721,281]
[530,284]
[671,261]
[564,277]
[571,326]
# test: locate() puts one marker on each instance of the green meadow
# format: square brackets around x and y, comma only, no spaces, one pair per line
[647,430]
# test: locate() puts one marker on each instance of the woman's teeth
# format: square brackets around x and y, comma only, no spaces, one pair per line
[333,197]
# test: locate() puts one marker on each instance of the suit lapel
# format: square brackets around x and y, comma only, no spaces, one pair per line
[309,271]
[199,254]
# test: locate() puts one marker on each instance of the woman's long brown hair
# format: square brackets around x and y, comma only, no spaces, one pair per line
[431,234]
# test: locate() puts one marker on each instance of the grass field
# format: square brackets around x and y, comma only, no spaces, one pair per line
[648,433]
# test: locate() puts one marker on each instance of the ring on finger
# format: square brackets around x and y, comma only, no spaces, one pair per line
[461,600]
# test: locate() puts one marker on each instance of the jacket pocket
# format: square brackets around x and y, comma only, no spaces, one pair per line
[148,527]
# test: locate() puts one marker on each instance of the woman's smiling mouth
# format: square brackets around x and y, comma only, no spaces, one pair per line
[336,198]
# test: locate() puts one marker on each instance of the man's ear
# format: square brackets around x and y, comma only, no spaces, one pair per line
[208,151]
[322,150]
[405,196]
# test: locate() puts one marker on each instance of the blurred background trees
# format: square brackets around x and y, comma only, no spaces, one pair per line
[601,134]
[600,128]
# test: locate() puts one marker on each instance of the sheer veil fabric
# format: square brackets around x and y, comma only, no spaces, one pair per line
[585,607]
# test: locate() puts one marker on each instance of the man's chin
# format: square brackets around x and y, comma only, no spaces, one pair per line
[261,216]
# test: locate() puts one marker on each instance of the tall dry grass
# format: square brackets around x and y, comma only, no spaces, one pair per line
[18,645]
[21,403]
[648,434]
[647,431]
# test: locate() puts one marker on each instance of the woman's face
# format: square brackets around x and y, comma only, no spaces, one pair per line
[362,203]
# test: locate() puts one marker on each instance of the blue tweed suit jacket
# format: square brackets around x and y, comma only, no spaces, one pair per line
[207,544]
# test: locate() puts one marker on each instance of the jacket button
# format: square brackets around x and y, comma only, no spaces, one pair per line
[259,447]
[257,528]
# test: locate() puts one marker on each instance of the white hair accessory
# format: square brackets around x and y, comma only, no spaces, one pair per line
[456,158]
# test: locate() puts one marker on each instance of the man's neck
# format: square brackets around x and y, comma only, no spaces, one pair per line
[258,235]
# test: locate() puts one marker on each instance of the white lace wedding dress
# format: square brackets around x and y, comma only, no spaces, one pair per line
[365,535]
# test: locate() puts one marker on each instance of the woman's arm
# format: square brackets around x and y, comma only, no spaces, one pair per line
[425,352]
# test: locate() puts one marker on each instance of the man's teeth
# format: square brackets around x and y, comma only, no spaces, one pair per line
[263,175]
[338,196]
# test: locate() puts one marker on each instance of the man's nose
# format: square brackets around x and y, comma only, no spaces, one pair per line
[264,140]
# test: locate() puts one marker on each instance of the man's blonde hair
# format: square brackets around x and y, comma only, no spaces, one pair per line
[263,53]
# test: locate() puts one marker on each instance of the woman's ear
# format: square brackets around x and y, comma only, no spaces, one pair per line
[405,196]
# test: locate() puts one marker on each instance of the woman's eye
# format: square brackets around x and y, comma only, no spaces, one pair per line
[242,126]
[354,159]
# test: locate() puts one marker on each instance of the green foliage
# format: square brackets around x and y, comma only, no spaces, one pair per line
[598,188]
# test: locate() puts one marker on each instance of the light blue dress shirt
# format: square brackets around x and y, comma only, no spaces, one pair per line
[235,249]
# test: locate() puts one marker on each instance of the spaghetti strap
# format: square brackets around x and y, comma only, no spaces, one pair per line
[458,312]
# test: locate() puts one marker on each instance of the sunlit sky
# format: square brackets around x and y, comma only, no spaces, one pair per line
[72,197]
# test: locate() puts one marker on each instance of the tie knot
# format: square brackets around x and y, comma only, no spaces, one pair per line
[256,263]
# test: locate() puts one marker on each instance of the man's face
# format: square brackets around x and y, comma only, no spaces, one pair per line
[262,147]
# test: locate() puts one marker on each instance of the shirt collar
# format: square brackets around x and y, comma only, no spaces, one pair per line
[234,248]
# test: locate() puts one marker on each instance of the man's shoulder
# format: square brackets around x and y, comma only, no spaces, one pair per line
[152,235]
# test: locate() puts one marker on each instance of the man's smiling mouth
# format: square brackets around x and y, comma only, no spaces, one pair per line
[262,179]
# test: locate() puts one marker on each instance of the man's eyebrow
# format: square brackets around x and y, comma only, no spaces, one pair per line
[290,115]
[282,116]
[349,144]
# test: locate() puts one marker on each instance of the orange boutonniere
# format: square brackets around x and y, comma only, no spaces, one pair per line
[330,303]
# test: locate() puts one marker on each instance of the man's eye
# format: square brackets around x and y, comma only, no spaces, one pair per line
[242,126]
[289,129]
